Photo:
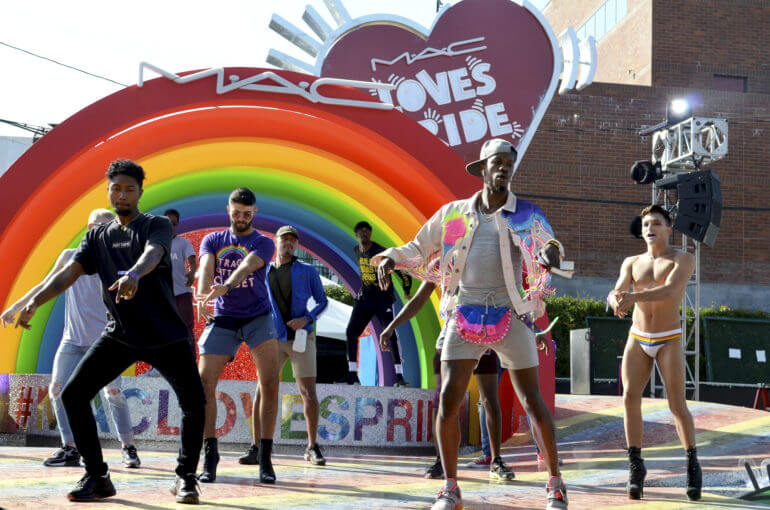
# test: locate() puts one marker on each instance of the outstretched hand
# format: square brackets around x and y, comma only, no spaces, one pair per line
[126,286]
[26,315]
[9,316]
[203,301]
[384,268]
[385,338]
[620,302]
[625,303]
[549,256]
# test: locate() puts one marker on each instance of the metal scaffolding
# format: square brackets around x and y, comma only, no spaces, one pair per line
[685,147]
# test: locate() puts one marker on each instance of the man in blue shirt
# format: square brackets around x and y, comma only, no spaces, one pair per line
[292,283]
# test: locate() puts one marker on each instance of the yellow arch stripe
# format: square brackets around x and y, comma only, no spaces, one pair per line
[334,175]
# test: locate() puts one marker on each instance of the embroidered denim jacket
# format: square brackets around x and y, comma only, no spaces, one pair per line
[439,250]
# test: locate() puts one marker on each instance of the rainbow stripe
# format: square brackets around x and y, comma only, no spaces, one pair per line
[321,168]
[653,339]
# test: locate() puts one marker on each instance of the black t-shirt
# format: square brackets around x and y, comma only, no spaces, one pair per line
[150,318]
[369,284]
[280,286]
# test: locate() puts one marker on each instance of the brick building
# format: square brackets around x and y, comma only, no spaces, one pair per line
[715,53]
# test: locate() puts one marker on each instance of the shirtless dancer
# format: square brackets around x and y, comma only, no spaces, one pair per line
[659,277]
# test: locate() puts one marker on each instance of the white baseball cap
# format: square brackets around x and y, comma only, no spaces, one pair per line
[490,148]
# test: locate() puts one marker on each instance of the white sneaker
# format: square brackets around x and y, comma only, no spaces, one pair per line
[448,500]
[557,494]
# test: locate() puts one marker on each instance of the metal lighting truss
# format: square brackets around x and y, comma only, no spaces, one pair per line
[680,148]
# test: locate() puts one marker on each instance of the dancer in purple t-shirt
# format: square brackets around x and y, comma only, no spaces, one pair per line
[233,264]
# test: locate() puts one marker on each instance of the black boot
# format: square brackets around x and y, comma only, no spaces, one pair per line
[266,471]
[694,475]
[636,473]
[210,460]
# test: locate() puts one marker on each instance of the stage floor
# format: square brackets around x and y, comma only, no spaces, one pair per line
[591,439]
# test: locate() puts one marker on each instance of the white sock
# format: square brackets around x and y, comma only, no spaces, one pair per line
[352,366]
[399,370]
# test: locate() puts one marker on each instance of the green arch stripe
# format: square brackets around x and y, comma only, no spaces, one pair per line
[310,195]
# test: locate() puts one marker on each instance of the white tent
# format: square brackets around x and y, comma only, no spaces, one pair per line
[333,322]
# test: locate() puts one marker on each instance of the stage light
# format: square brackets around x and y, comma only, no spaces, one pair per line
[645,172]
[677,111]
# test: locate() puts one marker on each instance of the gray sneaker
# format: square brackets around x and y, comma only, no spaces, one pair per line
[448,500]
[557,494]
[130,457]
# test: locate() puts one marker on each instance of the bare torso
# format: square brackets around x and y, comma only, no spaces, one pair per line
[646,273]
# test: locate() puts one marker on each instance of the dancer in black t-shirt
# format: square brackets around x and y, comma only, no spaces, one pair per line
[131,257]
[372,302]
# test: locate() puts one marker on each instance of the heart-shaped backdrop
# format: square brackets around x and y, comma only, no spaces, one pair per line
[487,69]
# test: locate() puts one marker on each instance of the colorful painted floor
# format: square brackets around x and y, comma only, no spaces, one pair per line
[591,438]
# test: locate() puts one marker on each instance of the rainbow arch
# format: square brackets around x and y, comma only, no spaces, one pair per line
[319,167]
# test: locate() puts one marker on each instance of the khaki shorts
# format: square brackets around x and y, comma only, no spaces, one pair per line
[303,364]
[516,351]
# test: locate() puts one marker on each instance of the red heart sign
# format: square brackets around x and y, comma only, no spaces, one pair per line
[487,69]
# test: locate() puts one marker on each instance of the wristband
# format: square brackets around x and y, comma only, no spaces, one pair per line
[309,319]
[129,273]
[229,288]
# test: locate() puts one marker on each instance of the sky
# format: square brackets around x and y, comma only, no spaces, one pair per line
[110,38]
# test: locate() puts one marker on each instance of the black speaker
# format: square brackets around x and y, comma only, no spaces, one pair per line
[699,206]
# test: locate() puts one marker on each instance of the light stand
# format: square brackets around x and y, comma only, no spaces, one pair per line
[679,148]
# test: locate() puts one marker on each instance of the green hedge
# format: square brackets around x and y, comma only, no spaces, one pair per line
[572,312]
[338,293]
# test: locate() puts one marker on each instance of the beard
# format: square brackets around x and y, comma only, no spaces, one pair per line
[240,227]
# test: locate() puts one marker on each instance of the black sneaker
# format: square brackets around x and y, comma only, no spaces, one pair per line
[353,378]
[130,458]
[694,476]
[92,487]
[210,461]
[499,471]
[636,474]
[435,471]
[64,456]
[400,382]
[314,456]
[252,456]
[186,489]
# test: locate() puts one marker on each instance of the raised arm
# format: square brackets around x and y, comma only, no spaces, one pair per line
[58,283]
[427,242]
[10,314]
[409,310]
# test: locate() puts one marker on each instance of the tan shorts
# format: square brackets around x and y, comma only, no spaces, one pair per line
[303,364]
[516,351]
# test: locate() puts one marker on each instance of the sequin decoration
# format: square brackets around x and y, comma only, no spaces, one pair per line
[242,367]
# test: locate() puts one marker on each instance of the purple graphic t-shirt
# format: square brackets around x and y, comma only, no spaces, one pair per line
[250,298]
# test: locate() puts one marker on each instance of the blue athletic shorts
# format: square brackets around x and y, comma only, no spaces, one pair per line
[219,339]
